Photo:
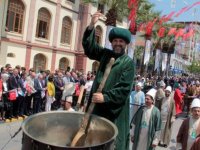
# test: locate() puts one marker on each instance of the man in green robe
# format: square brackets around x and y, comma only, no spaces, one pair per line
[146,125]
[113,102]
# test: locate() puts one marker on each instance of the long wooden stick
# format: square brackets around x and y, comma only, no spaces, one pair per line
[80,97]
[86,119]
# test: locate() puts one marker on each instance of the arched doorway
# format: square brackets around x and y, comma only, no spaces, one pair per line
[63,63]
[39,62]
[95,66]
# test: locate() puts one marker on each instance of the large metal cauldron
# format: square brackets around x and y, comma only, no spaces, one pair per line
[54,130]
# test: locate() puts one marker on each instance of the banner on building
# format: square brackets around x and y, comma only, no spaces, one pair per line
[157,59]
[164,61]
[147,52]
[131,47]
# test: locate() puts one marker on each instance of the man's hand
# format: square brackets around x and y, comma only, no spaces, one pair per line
[132,139]
[153,145]
[94,19]
[97,98]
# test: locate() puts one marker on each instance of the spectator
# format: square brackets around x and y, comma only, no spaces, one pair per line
[50,93]
[68,104]
[2,112]
[59,87]
[37,96]
[8,105]
[13,84]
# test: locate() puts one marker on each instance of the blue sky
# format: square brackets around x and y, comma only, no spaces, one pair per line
[166,7]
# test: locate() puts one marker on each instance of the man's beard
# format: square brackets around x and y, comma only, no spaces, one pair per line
[122,50]
[167,96]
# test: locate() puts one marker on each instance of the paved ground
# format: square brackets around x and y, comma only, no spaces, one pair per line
[175,129]
[8,129]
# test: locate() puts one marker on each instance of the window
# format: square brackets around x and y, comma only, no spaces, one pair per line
[98,34]
[43,23]
[66,30]
[15,15]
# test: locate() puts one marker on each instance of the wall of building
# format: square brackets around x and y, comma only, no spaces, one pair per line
[18,50]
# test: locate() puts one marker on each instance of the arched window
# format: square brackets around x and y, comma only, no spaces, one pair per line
[43,23]
[39,62]
[63,63]
[95,66]
[66,30]
[15,15]
[98,34]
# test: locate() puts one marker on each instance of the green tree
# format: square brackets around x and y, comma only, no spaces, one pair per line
[117,9]
[194,67]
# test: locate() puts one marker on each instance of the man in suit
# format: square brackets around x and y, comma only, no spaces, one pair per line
[43,82]
[37,95]
[59,87]
[13,84]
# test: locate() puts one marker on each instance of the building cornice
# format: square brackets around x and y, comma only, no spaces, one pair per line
[75,52]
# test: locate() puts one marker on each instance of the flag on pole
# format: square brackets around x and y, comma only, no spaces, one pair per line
[131,46]
[172,31]
[157,59]
[147,52]
[164,61]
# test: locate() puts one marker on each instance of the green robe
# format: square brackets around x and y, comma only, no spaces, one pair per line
[154,125]
[117,88]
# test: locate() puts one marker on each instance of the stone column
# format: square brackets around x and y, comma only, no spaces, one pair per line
[28,56]
[56,25]
[3,16]
[31,21]
[53,60]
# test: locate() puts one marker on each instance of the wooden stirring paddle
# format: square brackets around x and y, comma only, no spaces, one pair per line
[82,132]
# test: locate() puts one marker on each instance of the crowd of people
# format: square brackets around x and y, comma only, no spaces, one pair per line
[23,93]
[155,103]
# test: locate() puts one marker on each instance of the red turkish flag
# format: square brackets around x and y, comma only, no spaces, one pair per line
[161,32]
[149,27]
[172,31]
[132,26]
[131,3]
[132,14]
[196,3]
[179,33]
[169,16]
[190,33]
[181,11]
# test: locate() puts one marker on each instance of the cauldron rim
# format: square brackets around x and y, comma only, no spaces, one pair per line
[77,147]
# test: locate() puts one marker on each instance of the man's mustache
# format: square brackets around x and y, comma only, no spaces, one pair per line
[120,46]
